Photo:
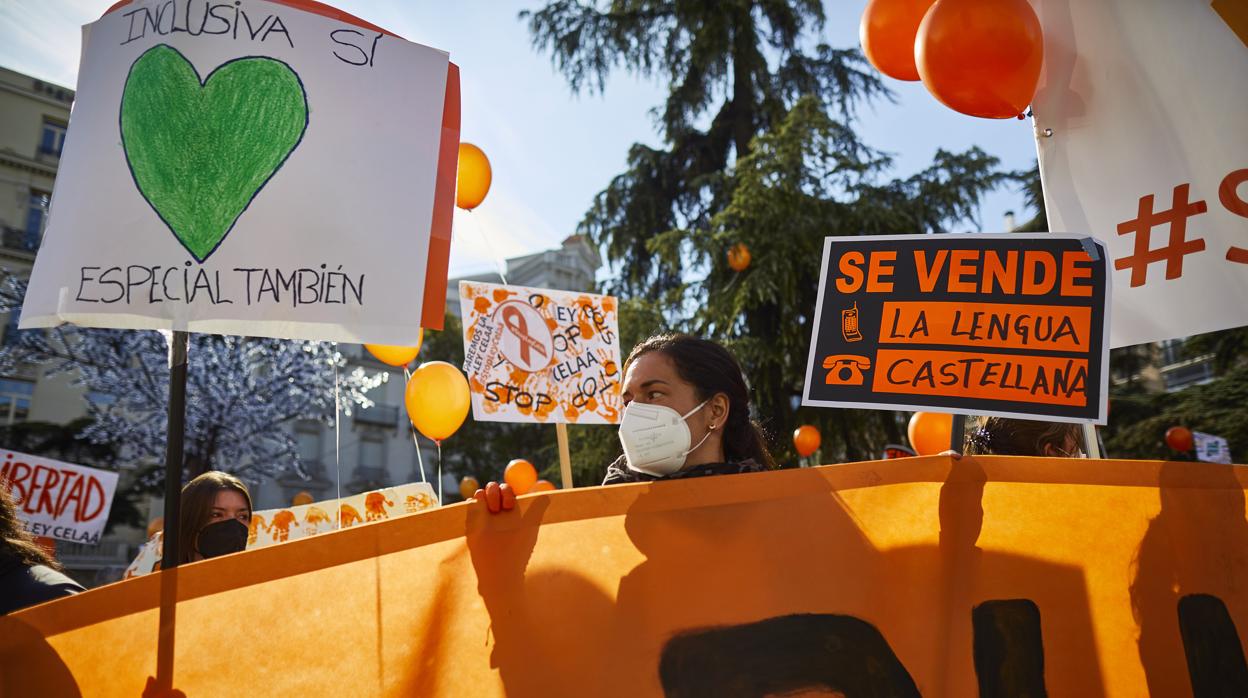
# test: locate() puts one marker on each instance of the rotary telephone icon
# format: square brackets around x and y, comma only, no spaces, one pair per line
[845,369]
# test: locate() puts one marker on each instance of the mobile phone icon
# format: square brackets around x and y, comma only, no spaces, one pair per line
[849,324]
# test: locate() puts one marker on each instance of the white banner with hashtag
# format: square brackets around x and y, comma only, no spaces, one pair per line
[1142,142]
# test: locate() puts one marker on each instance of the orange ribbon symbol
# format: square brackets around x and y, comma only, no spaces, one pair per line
[514,320]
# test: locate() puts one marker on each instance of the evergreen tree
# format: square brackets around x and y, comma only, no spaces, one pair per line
[1138,421]
[1229,347]
[758,149]
[733,68]
[1033,198]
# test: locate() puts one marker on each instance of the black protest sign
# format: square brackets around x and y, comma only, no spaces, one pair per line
[992,324]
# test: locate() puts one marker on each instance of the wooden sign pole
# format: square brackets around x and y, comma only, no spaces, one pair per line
[565,456]
[957,434]
[174,463]
[1092,444]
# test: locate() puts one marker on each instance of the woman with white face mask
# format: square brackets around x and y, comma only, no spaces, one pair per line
[686,414]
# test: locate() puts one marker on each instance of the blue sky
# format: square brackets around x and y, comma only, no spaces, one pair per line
[551,150]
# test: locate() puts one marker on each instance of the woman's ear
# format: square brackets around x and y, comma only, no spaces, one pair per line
[719,406]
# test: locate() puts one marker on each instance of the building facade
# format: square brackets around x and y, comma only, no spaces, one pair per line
[1166,367]
[34,115]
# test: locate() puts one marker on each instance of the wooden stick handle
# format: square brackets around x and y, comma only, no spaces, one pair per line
[565,456]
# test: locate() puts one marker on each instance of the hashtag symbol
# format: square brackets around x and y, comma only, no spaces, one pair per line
[1179,246]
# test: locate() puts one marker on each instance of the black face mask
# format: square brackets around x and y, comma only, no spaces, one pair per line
[222,538]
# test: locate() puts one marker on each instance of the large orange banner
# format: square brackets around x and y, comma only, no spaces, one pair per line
[924,576]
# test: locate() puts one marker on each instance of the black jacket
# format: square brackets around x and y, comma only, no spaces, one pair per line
[619,472]
[23,585]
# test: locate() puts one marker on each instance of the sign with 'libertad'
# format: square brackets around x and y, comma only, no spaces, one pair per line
[59,500]
[259,168]
[1009,325]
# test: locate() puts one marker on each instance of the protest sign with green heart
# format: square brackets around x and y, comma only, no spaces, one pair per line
[200,151]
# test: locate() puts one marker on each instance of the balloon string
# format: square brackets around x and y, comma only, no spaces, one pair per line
[498,261]
[407,378]
[439,443]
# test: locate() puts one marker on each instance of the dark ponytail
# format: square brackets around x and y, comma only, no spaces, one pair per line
[1000,436]
[712,370]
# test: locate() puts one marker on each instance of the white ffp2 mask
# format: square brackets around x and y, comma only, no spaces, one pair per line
[655,438]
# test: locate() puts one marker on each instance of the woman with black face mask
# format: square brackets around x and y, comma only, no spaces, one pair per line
[686,414]
[216,512]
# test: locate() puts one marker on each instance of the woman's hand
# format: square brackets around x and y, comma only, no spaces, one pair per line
[496,497]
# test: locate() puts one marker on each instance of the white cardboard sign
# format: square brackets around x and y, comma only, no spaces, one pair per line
[1211,448]
[59,500]
[539,355]
[1140,128]
[273,526]
[251,169]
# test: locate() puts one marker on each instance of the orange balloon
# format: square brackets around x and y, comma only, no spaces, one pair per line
[739,257]
[301,499]
[807,439]
[437,399]
[474,177]
[521,475]
[396,355]
[468,486]
[981,57]
[542,486]
[887,32]
[1180,439]
[930,432]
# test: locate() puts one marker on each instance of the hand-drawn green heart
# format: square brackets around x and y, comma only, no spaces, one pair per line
[200,151]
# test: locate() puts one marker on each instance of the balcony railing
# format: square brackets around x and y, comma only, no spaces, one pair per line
[1185,373]
[316,472]
[367,477]
[379,415]
[87,556]
[46,155]
[18,239]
